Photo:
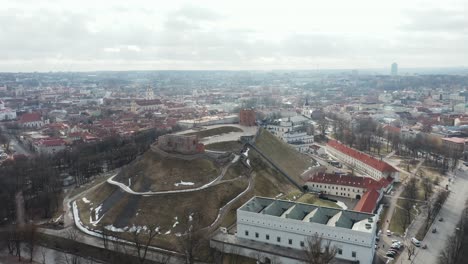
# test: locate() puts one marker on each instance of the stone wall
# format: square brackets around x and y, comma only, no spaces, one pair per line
[180,144]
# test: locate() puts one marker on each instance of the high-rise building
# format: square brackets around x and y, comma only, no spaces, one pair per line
[394,69]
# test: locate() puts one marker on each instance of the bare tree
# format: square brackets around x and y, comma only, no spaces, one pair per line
[411,250]
[319,251]
[43,255]
[29,235]
[192,237]
[105,236]
[142,239]
[427,187]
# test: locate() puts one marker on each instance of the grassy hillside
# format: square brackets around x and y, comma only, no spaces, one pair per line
[166,211]
[286,157]
[225,146]
[153,172]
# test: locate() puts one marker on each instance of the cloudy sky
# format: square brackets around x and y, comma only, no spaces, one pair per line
[54,35]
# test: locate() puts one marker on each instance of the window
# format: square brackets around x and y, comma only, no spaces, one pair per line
[353,254]
[246,233]
[267,237]
[302,243]
[340,251]
[290,241]
[278,239]
[256,235]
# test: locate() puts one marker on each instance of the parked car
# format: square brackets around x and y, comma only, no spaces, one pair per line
[441,219]
[389,233]
[434,230]
[416,242]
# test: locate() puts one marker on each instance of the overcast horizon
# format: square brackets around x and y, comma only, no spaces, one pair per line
[236,35]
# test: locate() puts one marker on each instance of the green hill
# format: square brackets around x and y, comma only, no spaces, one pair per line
[287,158]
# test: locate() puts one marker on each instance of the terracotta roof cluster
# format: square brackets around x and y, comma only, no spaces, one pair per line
[30,117]
[52,142]
[369,160]
[392,129]
[456,140]
[148,102]
[349,180]
[368,202]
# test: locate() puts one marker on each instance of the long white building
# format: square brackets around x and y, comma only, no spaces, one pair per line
[372,167]
[270,226]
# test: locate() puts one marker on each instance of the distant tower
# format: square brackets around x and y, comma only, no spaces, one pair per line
[149,93]
[394,69]
[133,107]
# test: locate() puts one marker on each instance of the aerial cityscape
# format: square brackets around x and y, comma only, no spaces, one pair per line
[190,133]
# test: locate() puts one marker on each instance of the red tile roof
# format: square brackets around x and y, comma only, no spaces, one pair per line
[456,140]
[30,117]
[379,165]
[52,142]
[392,129]
[368,202]
[349,180]
[148,102]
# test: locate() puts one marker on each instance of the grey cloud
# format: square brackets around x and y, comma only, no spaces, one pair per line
[437,20]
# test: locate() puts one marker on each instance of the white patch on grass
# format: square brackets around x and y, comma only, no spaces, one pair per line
[246,153]
[86,201]
[184,183]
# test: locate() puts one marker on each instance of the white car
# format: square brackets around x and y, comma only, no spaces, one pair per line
[389,233]
[415,242]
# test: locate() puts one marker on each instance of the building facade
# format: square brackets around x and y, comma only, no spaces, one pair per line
[289,225]
[6,113]
[372,167]
[247,117]
[295,131]
[181,144]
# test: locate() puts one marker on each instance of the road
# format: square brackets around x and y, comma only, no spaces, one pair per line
[451,212]
[14,144]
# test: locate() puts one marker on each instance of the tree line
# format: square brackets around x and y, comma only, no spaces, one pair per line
[39,178]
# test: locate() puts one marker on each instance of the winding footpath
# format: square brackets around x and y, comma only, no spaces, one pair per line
[127,189]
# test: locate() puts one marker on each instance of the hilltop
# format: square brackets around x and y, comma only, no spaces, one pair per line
[218,188]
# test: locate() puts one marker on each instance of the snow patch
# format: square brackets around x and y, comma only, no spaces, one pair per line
[235,159]
[246,153]
[184,183]
[342,205]
[86,201]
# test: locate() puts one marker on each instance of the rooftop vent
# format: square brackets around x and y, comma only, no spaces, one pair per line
[368,226]
[370,219]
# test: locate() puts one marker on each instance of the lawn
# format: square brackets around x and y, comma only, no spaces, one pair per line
[225,146]
[153,172]
[313,199]
[397,218]
[268,182]
[215,131]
